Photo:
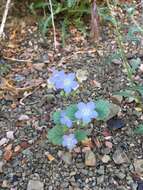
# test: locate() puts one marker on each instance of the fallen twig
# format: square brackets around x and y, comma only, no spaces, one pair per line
[4,18]
[17,60]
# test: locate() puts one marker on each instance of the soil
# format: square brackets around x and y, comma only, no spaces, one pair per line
[31,59]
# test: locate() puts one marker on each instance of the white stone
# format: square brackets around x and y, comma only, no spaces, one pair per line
[10,135]
[35,185]
[3,141]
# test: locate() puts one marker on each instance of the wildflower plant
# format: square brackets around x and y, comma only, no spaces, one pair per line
[62,81]
[71,123]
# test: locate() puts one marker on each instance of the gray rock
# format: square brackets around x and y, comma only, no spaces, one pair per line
[117,98]
[90,159]
[101,170]
[1,166]
[121,188]
[35,185]
[114,110]
[105,158]
[120,175]
[67,157]
[134,186]
[138,164]
[120,157]
[100,179]
[81,75]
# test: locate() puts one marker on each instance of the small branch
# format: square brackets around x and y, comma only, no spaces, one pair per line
[54,30]
[17,60]
[4,17]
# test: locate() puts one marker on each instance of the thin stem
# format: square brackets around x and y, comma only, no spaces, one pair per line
[53,24]
[137,25]
[126,65]
[119,41]
[4,17]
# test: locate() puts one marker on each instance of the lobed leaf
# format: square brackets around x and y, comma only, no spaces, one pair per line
[139,130]
[71,110]
[103,109]
[56,117]
[55,135]
[80,135]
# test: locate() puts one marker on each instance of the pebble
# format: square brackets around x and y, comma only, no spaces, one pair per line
[101,170]
[138,164]
[134,186]
[114,110]
[106,158]
[120,175]
[35,185]
[5,184]
[67,157]
[17,149]
[23,117]
[117,99]
[38,66]
[108,144]
[100,179]
[120,157]
[10,135]
[90,159]
[81,75]
[1,166]
[3,141]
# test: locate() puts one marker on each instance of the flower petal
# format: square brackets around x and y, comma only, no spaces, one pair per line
[78,115]
[71,76]
[94,114]
[75,85]
[91,105]
[67,89]
[81,105]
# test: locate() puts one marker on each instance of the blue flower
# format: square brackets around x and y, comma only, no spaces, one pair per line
[69,141]
[67,83]
[56,77]
[65,120]
[64,81]
[86,112]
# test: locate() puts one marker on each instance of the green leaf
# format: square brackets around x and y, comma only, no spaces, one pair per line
[56,117]
[114,56]
[55,135]
[71,3]
[135,64]
[125,93]
[70,111]
[139,130]
[139,89]
[131,35]
[103,109]
[80,135]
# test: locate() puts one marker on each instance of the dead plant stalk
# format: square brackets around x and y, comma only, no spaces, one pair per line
[4,18]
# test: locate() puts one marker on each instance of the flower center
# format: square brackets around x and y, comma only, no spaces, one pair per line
[86,111]
[67,82]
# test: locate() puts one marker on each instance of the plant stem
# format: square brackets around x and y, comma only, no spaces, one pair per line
[4,17]
[54,29]
[119,41]
[126,65]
